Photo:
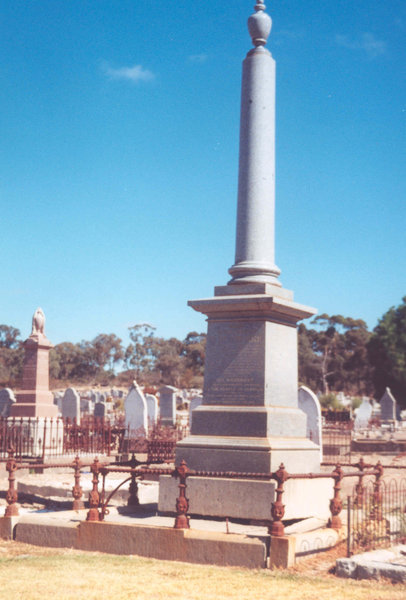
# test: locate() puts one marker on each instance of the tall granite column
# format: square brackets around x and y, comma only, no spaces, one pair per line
[249,420]
[34,399]
[255,245]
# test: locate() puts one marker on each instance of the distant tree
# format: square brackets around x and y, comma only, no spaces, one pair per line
[329,400]
[9,337]
[387,353]
[194,352]
[11,356]
[107,350]
[66,361]
[139,355]
[333,355]
[169,362]
[309,361]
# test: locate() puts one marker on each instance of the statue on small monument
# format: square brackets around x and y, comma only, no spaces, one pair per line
[38,323]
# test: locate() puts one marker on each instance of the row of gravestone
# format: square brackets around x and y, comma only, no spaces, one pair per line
[389,411]
[142,410]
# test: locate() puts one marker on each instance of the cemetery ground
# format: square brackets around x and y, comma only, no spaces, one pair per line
[34,573]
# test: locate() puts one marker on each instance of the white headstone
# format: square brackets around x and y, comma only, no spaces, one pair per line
[136,412]
[152,408]
[363,414]
[167,405]
[194,403]
[388,406]
[7,399]
[70,406]
[309,404]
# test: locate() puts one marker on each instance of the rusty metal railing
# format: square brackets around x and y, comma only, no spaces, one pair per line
[370,500]
[376,513]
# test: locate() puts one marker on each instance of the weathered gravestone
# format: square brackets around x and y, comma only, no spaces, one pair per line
[309,404]
[7,400]
[152,408]
[136,413]
[388,407]
[99,410]
[167,405]
[70,407]
[194,403]
[85,404]
[364,413]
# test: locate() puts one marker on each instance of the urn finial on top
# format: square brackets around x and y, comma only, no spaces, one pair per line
[259,25]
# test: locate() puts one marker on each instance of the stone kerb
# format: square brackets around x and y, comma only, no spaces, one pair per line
[70,406]
[136,410]
[310,405]
[7,399]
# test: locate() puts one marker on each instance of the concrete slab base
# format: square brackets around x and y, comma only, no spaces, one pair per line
[201,547]
[46,532]
[164,543]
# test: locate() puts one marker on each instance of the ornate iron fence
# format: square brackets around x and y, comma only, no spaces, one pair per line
[376,513]
[37,438]
[46,437]
[336,443]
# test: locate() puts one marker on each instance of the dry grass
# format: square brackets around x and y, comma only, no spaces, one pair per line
[34,573]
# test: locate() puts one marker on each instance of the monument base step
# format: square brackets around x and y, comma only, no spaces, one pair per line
[248,455]
[247,499]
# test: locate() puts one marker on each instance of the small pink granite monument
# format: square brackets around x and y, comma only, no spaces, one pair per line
[34,399]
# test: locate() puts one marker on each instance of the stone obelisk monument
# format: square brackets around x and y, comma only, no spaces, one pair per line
[34,399]
[249,420]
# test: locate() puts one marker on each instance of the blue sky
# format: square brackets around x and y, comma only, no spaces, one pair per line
[119,154]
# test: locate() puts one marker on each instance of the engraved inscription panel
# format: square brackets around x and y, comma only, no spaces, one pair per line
[235,363]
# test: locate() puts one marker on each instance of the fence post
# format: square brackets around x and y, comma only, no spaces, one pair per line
[278,508]
[94,497]
[133,499]
[11,496]
[359,488]
[376,512]
[77,490]
[182,503]
[336,503]
[349,508]
[44,437]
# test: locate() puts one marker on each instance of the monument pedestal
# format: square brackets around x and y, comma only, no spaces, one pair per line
[249,420]
[35,399]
